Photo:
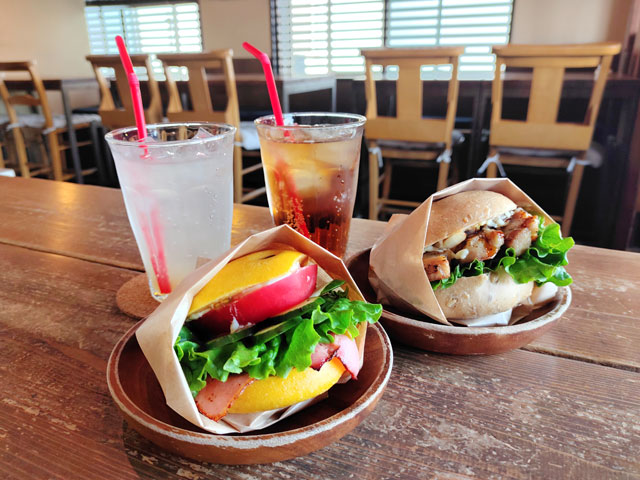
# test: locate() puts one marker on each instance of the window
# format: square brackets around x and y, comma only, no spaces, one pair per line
[162,28]
[322,36]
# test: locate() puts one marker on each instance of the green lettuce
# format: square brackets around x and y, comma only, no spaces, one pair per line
[542,262]
[277,356]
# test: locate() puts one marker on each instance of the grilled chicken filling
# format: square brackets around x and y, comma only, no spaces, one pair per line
[483,242]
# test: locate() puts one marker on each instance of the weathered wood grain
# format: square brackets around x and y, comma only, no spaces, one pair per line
[89,222]
[516,415]
[602,323]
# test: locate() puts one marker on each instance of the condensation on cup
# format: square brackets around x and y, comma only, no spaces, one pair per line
[311,173]
[178,191]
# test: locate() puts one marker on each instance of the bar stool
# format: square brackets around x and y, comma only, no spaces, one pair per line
[541,141]
[202,110]
[408,139]
[51,127]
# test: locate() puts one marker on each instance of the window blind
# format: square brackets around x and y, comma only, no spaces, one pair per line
[322,36]
[151,29]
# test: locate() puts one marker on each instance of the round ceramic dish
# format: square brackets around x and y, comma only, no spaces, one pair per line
[429,335]
[137,393]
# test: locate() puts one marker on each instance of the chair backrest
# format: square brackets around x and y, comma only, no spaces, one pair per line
[409,124]
[27,99]
[202,108]
[541,128]
[115,117]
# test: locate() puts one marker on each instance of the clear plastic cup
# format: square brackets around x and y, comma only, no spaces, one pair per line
[178,191]
[311,173]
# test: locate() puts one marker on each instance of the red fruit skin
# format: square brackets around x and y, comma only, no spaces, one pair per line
[260,304]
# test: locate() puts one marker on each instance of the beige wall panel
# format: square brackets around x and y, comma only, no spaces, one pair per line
[569,21]
[228,23]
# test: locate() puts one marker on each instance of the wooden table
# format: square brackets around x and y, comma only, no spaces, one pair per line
[566,406]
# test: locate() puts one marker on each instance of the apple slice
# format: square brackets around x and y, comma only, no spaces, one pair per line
[259,303]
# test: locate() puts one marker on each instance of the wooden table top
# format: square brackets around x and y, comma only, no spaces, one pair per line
[566,406]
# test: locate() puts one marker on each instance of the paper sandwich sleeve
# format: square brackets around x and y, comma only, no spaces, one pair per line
[396,271]
[157,335]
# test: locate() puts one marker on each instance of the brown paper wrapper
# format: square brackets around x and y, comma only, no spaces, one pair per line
[157,335]
[396,272]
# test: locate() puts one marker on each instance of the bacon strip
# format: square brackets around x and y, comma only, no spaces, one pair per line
[216,397]
[348,354]
[344,348]
[322,354]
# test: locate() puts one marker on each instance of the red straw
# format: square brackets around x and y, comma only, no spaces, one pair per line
[271,82]
[277,113]
[134,88]
[153,233]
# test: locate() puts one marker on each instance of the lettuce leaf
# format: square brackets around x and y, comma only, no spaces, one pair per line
[472,269]
[277,356]
[542,262]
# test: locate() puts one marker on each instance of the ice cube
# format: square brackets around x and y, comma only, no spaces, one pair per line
[308,182]
[202,133]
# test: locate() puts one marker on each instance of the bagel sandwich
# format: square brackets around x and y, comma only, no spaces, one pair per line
[268,331]
[484,255]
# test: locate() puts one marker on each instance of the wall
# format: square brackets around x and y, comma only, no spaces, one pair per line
[52,32]
[569,21]
[228,23]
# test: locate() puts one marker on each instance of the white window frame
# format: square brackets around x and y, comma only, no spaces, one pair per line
[151,28]
[475,24]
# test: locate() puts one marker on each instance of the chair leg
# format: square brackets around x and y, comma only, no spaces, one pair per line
[95,143]
[237,174]
[572,198]
[21,150]
[374,183]
[386,180]
[492,168]
[443,175]
[110,166]
[54,154]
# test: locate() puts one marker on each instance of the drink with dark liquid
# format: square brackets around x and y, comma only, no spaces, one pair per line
[311,173]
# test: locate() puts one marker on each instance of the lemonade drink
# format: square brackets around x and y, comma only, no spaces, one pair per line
[311,173]
[178,195]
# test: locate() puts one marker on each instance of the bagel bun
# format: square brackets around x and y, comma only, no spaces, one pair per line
[277,392]
[486,294]
[477,206]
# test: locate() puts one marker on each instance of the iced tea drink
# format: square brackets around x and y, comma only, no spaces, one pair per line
[311,173]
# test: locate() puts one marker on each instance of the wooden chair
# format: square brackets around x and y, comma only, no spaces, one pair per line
[202,109]
[112,115]
[557,144]
[408,135]
[52,127]
[3,145]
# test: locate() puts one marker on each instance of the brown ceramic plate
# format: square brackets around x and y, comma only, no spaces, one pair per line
[428,334]
[137,393]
